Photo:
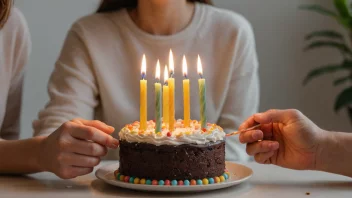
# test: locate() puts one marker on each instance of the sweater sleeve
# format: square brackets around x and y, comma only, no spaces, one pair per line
[72,86]
[243,93]
[20,45]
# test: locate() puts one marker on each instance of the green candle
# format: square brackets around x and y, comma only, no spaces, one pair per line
[157,99]
[202,95]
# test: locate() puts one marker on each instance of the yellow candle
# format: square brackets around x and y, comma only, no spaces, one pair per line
[171,82]
[143,96]
[157,99]
[186,97]
[202,95]
[166,97]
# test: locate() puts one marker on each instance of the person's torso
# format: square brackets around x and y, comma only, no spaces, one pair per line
[116,54]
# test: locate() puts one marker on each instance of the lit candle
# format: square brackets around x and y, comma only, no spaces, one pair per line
[157,99]
[166,97]
[171,82]
[202,93]
[186,97]
[143,96]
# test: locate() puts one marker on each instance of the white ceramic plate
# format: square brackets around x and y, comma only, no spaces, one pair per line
[239,173]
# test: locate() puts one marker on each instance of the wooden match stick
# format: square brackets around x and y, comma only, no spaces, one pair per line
[238,132]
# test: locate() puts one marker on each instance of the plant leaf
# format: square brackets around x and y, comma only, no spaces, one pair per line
[346,65]
[325,33]
[343,99]
[342,80]
[343,8]
[346,22]
[319,9]
[340,46]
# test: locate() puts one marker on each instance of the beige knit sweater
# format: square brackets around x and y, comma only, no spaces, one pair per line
[14,50]
[97,74]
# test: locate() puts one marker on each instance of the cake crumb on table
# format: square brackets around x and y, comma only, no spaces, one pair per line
[307,193]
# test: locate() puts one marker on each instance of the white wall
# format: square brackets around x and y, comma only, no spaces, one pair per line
[48,21]
[279,27]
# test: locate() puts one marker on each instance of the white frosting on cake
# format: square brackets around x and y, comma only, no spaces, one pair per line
[181,135]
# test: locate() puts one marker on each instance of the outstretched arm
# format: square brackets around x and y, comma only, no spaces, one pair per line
[20,156]
[289,139]
[335,154]
[70,151]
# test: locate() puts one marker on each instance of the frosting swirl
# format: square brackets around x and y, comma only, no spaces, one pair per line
[181,135]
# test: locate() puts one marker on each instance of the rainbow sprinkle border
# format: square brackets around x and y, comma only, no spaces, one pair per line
[205,181]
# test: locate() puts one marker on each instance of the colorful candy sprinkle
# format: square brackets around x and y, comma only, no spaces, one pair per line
[167,182]
[193,182]
[126,179]
[179,135]
[116,172]
[222,178]
[168,134]
[217,180]
[142,181]
[205,181]
[186,182]
[131,179]
[226,176]
[174,183]
[130,127]
[136,180]
[154,182]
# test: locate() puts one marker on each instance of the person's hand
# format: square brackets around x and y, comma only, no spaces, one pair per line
[76,147]
[286,138]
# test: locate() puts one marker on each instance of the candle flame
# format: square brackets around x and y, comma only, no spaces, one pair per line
[166,75]
[144,67]
[184,66]
[157,71]
[200,67]
[171,63]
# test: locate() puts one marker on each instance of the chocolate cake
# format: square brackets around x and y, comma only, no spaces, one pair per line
[185,154]
[188,161]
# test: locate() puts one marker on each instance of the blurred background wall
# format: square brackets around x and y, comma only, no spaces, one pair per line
[279,29]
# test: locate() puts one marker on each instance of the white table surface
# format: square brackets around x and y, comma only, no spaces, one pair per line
[267,181]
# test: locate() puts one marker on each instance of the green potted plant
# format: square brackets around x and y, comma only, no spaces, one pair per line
[336,40]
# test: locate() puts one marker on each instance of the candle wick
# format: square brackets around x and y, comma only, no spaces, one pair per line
[171,74]
[201,76]
[185,76]
[166,84]
[143,76]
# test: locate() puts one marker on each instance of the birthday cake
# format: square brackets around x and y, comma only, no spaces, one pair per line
[186,155]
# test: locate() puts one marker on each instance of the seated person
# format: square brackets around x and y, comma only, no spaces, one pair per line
[65,152]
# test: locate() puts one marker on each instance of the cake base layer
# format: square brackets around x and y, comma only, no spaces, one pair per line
[189,161]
